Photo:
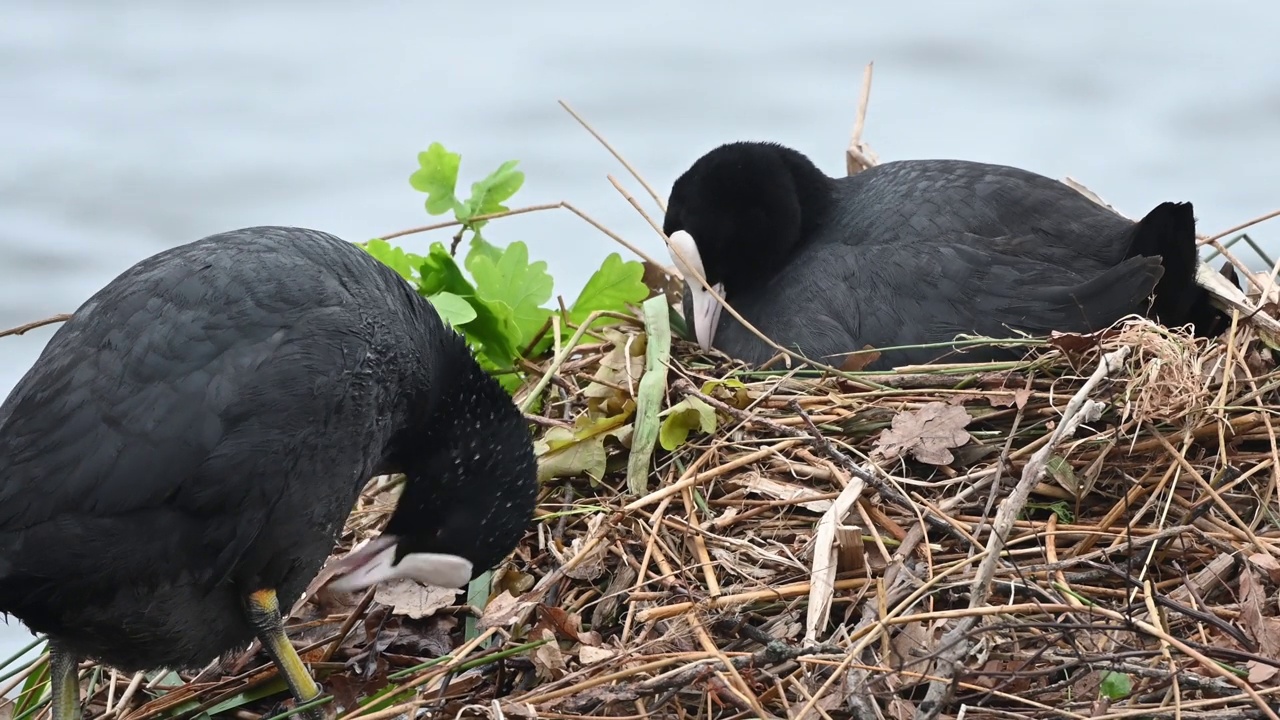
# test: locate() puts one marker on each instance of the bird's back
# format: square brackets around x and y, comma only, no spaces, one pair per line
[206,417]
[910,200]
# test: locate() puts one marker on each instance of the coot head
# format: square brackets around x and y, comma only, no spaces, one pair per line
[736,216]
[470,491]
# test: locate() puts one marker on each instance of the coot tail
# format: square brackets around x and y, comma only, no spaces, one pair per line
[1169,232]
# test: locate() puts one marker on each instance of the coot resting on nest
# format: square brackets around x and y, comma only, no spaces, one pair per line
[915,252]
[177,465]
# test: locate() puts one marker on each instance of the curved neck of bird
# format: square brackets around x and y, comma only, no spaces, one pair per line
[816,193]
[767,253]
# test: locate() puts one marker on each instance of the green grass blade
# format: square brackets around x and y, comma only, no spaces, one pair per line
[653,385]
[18,656]
[477,597]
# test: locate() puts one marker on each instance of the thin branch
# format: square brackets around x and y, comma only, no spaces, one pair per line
[662,205]
[1237,228]
[23,329]
[532,208]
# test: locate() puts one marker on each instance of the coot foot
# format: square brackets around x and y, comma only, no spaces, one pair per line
[263,610]
[64,683]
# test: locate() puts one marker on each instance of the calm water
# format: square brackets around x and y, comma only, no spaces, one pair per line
[128,127]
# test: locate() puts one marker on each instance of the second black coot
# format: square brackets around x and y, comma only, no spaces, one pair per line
[915,252]
[177,465]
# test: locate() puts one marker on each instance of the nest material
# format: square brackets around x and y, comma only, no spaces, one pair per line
[823,551]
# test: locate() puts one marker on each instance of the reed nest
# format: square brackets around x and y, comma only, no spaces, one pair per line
[1089,532]
[828,547]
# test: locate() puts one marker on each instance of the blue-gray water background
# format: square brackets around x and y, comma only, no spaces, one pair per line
[130,126]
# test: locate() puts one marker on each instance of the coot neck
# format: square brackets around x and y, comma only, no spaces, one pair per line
[433,367]
[815,191]
[454,393]
[470,471]
[772,244]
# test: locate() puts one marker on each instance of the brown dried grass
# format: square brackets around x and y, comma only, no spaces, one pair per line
[1148,549]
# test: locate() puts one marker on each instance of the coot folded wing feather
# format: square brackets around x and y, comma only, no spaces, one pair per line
[141,398]
[930,291]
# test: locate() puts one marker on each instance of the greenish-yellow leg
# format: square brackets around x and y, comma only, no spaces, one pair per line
[263,610]
[64,684]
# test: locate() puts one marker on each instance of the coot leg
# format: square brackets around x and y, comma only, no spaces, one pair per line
[64,683]
[263,611]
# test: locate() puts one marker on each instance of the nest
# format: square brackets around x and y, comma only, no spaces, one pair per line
[826,546]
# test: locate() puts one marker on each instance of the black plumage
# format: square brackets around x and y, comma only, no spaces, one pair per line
[201,427]
[915,252]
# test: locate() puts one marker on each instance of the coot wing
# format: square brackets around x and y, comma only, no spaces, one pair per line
[142,399]
[904,201]
[885,295]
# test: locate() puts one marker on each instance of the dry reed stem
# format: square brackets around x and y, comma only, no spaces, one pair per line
[28,327]
[858,155]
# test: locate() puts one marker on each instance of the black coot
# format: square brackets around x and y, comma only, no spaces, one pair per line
[176,467]
[915,252]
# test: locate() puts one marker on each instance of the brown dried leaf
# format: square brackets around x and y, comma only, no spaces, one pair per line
[1260,673]
[1075,342]
[1266,563]
[1208,581]
[324,595]
[431,637]
[500,710]
[462,686]
[512,709]
[591,655]
[856,362]
[664,280]
[1258,363]
[826,702]
[621,367]
[1264,629]
[928,433]
[410,598]
[548,661]
[911,642]
[1072,342]
[1015,398]
[732,561]
[567,625]
[349,688]
[785,627]
[508,578]
[503,610]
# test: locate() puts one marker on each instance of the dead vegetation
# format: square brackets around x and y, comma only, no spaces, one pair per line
[1090,532]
